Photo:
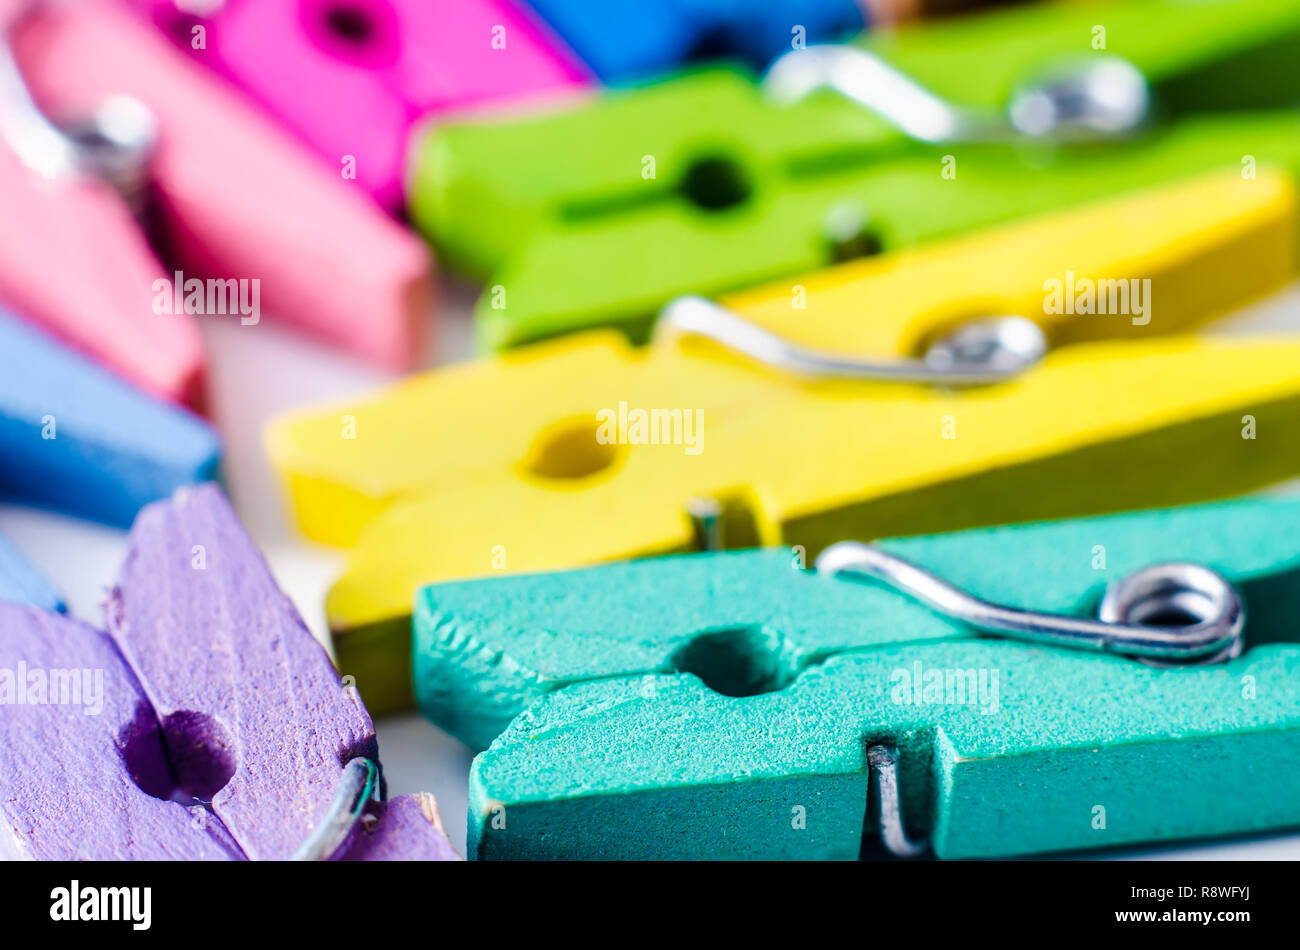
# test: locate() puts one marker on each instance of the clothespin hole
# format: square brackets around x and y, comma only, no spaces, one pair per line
[713,44]
[349,23]
[572,449]
[365,33]
[187,756]
[715,183]
[850,233]
[738,661]
[176,23]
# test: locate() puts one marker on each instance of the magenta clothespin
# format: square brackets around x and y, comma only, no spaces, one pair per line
[235,197]
[217,727]
[352,78]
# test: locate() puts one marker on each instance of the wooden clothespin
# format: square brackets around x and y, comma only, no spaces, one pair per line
[734,705]
[352,79]
[248,221]
[206,722]
[80,265]
[641,38]
[753,182]
[601,452]
[21,583]
[635,39]
[76,438]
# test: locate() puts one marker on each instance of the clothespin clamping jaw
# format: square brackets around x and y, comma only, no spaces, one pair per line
[206,723]
[1084,401]
[1018,690]
[351,79]
[247,220]
[76,438]
[846,151]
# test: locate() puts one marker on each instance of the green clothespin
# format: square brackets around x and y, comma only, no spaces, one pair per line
[600,212]
[735,705]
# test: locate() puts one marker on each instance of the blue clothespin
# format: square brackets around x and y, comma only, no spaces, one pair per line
[636,38]
[76,438]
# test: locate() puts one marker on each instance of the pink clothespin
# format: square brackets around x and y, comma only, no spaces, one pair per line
[352,77]
[206,723]
[235,199]
[71,255]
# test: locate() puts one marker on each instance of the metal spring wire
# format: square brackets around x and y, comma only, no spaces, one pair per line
[1122,625]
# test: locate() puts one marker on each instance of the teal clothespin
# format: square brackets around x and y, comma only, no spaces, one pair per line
[736,705]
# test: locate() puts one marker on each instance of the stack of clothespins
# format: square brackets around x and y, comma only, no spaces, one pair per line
[851,458]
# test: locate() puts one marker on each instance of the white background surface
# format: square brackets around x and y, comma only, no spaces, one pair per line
[259,371]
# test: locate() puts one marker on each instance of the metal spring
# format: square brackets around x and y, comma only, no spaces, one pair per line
[1123,623]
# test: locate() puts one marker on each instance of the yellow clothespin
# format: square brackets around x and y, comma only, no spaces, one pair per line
[776,431]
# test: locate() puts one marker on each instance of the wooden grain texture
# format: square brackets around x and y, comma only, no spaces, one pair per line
[407,828]
[239,683]
[66,791]
[207,724]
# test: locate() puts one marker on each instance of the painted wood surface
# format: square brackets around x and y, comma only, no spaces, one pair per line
[239,198]
[77,438]
[1122,413]
[210,723]
[721,705]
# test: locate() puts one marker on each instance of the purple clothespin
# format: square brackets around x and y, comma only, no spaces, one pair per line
[207,723]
